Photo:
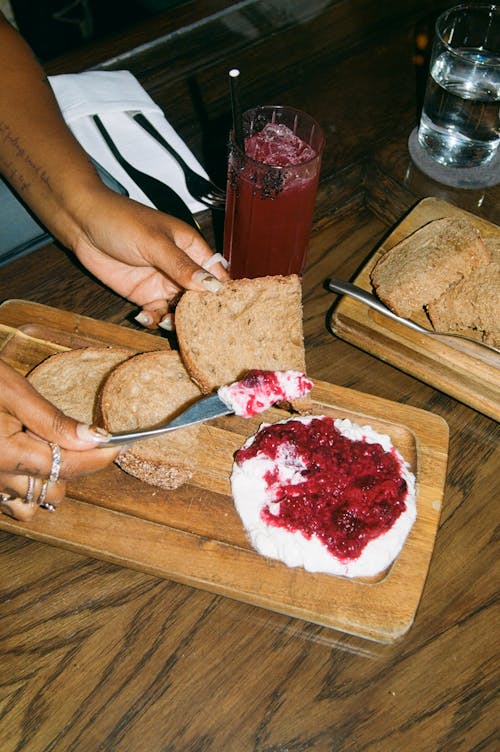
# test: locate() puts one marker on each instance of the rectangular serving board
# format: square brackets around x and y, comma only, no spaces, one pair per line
[448,366]
[193,535]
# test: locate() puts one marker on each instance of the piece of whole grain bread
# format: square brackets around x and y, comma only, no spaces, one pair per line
[472,305]
[421,267]
[71,380]
[249,324]
[142,393]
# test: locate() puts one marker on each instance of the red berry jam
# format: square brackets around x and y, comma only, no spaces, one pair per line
[351,491]
[265,388]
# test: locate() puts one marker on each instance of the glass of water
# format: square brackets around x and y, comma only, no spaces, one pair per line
[460,122]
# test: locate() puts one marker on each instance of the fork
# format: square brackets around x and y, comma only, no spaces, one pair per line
[161,195]
[199,187]
[358,293]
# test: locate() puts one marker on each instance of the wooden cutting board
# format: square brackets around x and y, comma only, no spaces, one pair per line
[448,367]
[193,535]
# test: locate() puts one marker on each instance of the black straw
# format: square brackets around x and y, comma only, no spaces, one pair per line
[234,80]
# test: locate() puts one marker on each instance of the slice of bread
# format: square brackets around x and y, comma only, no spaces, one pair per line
[421,267]
[249,324]
[71,380]
[472,306]
[144,392]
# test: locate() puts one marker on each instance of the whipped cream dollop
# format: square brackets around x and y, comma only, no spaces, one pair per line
[326,495]
[259,390]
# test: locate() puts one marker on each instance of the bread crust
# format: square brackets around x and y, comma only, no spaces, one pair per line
[249,324]
[424,265]
[471,306]
[144,392]
[71,380]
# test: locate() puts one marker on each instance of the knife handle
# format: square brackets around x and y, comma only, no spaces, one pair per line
[161,195]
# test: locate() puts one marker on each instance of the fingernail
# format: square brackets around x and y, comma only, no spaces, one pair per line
[91,433]
[211,284]
[143,318]
[167,323]
[216,258]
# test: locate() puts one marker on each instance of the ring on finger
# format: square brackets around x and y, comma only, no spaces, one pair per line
[4,497]
[56,464]
[43,495]
[28,497]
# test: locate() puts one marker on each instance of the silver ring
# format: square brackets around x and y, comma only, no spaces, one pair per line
[56,464]
[217,258]
[28,498]
[43,493]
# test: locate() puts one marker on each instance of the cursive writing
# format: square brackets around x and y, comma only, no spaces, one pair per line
[20,169]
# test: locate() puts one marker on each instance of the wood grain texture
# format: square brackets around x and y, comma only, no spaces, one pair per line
[112,516]
[449,366]
[96,657]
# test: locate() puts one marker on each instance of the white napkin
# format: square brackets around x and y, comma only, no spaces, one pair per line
[110,94]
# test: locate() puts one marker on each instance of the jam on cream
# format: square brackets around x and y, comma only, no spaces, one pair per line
[259,390]
[324,494]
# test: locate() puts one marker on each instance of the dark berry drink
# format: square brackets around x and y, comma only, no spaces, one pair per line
[271,193]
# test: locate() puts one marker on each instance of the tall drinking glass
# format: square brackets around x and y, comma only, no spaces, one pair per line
[460,123]
[271,192]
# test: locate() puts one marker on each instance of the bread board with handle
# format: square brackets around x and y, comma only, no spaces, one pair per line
[193,535]
[471,380]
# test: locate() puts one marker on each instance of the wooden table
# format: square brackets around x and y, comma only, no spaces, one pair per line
[98,657]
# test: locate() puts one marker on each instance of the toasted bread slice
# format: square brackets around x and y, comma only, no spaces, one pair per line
[421,267]
[143,392]
[72,379]
[472,305]
[249,324]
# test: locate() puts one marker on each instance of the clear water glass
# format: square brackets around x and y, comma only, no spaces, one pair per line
[460,122]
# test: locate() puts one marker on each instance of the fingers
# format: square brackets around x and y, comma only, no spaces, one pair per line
[74,464]
[188,258]
[21,405]
[218,261]
[21,495]
[161,312]
[29,423]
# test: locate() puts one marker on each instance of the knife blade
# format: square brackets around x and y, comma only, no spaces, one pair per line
[203,409]
[161,195]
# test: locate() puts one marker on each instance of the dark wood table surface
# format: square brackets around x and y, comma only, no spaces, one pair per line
[99,657]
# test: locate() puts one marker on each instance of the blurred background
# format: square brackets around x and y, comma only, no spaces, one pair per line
[53,27]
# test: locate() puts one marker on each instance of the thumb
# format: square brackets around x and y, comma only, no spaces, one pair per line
[43,419]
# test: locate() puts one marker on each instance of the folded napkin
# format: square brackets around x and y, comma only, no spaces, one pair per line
[110,94]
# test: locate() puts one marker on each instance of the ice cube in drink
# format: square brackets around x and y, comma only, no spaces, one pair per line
[271,194]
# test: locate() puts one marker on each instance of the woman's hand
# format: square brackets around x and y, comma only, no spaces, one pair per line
[143,254]
[29,425]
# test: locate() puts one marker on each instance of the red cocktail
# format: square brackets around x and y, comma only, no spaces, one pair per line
[271,192]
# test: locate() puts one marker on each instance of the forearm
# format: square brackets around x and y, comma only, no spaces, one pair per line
[39,156]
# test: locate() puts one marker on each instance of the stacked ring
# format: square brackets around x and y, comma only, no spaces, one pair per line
[53,476]
[56,463]
[28,497]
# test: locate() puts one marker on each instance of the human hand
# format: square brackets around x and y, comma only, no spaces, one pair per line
[38,442]
[145,255]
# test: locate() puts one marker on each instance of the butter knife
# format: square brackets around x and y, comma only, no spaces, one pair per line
[204,409]
[466,344]
[161,195]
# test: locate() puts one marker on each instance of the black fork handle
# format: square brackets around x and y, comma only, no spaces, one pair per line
[149,127]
